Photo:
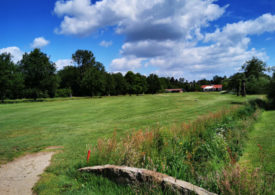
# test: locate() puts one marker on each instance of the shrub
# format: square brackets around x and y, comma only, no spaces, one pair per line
[63,92]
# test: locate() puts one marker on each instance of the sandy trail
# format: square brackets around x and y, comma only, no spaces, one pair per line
[20,175]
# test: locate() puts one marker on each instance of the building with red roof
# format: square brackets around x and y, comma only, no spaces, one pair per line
[211,87]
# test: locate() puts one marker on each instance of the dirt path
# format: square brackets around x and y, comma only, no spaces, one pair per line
[20,175]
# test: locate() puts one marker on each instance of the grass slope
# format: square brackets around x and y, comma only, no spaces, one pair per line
[260,149]
[30,127]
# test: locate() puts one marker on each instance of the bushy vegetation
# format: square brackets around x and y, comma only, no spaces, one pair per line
[198,152]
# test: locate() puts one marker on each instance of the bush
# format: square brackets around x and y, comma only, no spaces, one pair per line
[35,93]
[63,92]
[257,85]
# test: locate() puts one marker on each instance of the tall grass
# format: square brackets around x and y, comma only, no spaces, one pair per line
[203,152]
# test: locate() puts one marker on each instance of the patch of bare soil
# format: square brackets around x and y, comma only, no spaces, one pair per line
[20,175]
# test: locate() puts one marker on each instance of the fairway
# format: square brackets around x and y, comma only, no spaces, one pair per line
[30,127]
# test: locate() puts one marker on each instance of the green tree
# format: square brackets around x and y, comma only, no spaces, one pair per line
[93,82]
[217,79]
[256,80]
[235,82]
[17,90]
[258,86]
[254,67]
[153,84]
[164,83]
[136,83]
[121,86]
[39,74]
[70,79]
[7,76]
[92,73]
[84,59]
[130,78]
[140,83]
[110,85]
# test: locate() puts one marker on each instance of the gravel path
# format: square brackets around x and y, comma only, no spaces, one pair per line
[20,175]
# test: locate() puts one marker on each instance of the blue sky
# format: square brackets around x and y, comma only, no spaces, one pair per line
[191,39]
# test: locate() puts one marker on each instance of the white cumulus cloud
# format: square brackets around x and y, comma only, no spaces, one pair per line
[168,36]
[235,32]
[15,52]
[126,63]
[39,42]
[106,43]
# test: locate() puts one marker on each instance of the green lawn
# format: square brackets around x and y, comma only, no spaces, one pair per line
[260,149]
[30,127]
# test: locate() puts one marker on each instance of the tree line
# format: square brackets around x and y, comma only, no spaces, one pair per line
[35,76]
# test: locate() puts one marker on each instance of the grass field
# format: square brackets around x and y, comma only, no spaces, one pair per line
[260,149]
[30,127]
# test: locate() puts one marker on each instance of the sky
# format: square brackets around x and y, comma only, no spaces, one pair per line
[193,39]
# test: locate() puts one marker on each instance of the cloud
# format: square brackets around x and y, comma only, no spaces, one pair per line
[39,42]
[171,19]
[15,52]
[168,36]
[60,64]
[147,48]
[126,63]
[233,33]
[105,43]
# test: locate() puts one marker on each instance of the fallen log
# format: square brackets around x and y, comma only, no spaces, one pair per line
[132,175]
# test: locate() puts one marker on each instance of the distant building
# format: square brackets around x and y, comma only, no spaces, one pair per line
[211,87]
[173,90]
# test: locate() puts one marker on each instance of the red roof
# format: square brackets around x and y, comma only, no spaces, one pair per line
[214,86]
[217,86]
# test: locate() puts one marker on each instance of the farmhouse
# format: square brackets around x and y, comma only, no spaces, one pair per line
[174,90]
[211,87]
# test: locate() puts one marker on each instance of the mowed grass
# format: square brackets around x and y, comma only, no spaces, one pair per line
[74,124]
[260,149]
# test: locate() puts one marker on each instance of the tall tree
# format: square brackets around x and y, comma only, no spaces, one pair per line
[93,75]
[83,58]
[110,84]
[121,86]
[153,84]
[39,74]
[11,82]
[218,79]
[254,67]
[235,82]
[70,79]
[93,82]
[140,83]
[130,78]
